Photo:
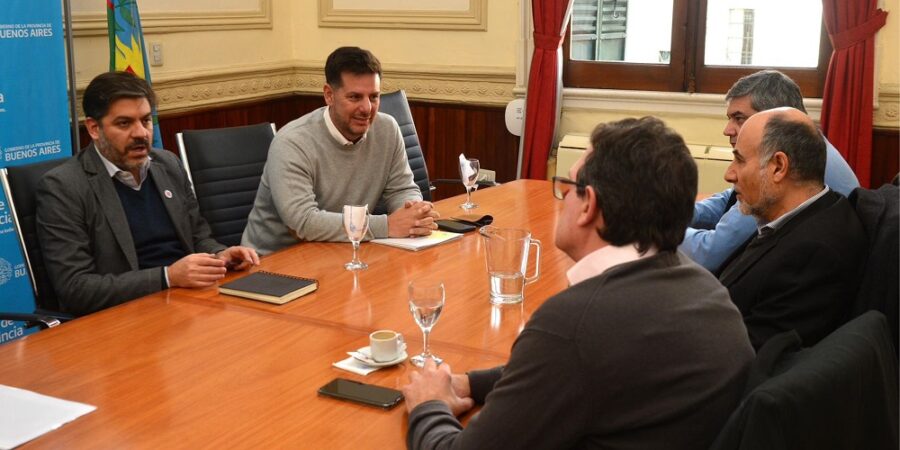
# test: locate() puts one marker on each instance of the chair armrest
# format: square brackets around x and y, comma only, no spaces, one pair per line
[42,319]
[31,320]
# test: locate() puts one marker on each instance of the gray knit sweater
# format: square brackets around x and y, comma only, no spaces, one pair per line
[309,176]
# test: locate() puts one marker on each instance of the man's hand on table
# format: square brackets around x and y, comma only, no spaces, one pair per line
[416,218]
[437,383]
[238,257]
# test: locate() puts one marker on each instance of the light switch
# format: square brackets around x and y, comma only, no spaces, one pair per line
[156,58]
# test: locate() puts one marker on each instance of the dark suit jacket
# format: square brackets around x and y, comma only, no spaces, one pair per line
[803,276]
[85,237]
[840,394]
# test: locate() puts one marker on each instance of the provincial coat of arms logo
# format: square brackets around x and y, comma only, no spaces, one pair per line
[6,271]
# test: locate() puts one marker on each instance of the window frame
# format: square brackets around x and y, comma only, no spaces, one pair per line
[685,71]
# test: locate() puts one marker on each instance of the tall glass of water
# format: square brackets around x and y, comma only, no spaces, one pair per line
[426,300]
[468,172]
[356,224]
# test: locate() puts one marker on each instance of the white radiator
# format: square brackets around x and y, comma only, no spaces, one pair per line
[711,161]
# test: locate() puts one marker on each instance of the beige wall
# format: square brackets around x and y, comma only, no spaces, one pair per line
[889,45]
[285,53]
[186,50]
[206,65]
[448,65]
[492,49]
[888,69]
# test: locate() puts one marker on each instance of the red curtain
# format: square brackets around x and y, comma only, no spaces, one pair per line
[550,19]
[847,101]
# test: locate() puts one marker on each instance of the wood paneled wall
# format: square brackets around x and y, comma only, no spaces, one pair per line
[444,130]
[885,155]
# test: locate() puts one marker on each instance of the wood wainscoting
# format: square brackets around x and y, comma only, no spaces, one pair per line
[445,130]
[885,155]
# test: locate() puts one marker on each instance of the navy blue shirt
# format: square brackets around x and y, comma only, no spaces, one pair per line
[152,230]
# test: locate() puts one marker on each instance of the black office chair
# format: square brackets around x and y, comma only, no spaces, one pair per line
[19,184]
[879,212]
[225,166]
[840,394]
[396,105]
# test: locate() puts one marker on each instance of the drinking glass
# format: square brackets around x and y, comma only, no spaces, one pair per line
[426,300]
[468,172]
[356,224]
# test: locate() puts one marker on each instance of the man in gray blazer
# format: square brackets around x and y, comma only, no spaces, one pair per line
[644,350]
[119,220]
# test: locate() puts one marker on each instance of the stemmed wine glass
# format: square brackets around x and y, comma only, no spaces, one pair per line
[426,300]
[356,224]
[468,172]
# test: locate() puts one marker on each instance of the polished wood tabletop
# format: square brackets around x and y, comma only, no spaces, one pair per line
[193,368]
[376,298]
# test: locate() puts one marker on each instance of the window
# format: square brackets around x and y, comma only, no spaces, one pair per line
[701,46]
[739,41]
[598,29]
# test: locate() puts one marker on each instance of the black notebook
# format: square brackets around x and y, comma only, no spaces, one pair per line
[269,287]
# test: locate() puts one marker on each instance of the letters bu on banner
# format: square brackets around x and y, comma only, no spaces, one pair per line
[34,119]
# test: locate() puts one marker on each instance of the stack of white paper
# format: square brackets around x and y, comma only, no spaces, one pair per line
[418,243]
[26,415]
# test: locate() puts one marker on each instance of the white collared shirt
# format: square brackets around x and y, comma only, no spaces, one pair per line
[124,176]
[334,131]
[774,225]
[601,260]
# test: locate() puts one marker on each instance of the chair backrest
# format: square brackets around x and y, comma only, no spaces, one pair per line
[879,212]
[397,106]
[20,183]
[840,394]
[225,166]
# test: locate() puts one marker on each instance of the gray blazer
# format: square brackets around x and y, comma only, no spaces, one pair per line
[85,238]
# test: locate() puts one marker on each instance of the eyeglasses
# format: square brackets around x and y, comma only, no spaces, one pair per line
[562,186]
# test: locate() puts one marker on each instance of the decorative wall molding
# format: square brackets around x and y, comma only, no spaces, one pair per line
[481,85]
[186,91]
[887,110]
[487,86]
[156,22]
[473,19]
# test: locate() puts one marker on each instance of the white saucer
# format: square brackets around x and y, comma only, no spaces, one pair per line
[363,356]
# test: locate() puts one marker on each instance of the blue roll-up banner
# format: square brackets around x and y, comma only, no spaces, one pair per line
[34,125]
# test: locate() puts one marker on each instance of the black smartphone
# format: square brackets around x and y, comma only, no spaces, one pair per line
[368,394]
[454,226]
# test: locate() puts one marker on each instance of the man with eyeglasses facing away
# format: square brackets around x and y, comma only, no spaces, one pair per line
[644,350]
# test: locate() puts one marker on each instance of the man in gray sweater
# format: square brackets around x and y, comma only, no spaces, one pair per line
[346,153]
[644,350]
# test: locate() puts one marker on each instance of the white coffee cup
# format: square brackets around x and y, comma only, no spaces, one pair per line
[385,345]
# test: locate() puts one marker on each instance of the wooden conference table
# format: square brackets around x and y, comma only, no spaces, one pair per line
[192,368]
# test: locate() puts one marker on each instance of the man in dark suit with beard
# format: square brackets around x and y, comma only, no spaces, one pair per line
[801,269]
[119,220]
